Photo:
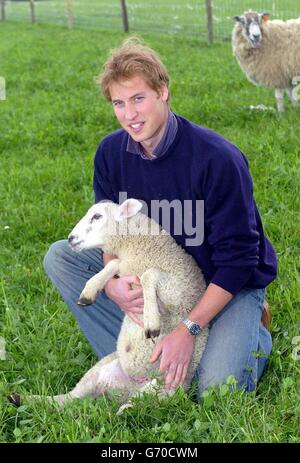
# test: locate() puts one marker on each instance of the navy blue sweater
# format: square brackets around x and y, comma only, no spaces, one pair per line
[199,165]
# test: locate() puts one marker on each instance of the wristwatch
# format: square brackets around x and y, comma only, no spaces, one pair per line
[193,327]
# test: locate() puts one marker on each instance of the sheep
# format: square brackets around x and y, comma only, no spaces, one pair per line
[268,52]
[172,284]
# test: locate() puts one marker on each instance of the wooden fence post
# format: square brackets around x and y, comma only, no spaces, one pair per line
[70,14]
[2,10]
[32,10]
[209,22]
[125,16]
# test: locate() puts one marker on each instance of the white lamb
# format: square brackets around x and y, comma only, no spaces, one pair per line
[268,52]
[172,284]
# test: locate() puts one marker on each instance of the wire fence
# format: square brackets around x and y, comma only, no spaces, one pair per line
[188,17]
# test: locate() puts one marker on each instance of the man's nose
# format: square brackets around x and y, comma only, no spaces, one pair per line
[130,111]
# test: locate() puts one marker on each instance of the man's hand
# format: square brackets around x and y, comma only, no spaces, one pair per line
[129,300]
[176,352]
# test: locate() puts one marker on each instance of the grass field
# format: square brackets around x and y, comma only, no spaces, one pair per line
[173,16]
[51,123]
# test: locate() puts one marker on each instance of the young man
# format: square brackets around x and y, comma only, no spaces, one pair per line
[158,155]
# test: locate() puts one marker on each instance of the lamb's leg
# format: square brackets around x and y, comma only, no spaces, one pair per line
[279,94]
[151,316]
[106,375]
[90,385]
[98,281]
[292,94]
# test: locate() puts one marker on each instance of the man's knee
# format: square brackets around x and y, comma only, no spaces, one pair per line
[54,253]
[243,378]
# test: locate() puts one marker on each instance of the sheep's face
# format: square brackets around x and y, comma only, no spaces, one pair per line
[251,23]
[101,222]
[87,233]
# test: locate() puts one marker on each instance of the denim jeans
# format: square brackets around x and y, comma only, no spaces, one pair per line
[238,344]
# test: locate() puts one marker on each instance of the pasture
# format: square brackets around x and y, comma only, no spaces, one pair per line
[50,125]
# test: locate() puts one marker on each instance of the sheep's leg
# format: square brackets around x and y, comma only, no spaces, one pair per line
[90,385]
[292,94]
[98,281]
[279,94]
[151,316]
[106,375]
[87,386]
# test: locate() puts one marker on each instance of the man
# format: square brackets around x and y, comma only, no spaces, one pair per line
[158,155]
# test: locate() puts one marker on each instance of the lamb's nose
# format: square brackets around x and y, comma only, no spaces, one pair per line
[71,238]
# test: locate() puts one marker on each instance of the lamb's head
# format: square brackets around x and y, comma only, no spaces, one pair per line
[102,221]
[252,26]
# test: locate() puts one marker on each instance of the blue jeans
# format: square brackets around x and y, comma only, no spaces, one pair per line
[238,344]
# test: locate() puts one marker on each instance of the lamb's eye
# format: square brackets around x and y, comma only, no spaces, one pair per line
[96,217]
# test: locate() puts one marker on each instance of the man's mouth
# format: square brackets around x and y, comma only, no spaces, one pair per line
[137,126]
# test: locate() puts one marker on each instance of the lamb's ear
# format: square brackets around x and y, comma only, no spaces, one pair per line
[240,19]
[129,208]
[265,16]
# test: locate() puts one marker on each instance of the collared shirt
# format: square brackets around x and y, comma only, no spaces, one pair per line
[167,138]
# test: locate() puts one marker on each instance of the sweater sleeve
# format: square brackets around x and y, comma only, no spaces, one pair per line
[101,183]
[230,221]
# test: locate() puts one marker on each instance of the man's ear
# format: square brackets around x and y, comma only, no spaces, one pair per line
[164,93]
[129,208]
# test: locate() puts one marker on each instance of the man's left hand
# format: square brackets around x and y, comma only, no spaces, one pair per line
[176,350]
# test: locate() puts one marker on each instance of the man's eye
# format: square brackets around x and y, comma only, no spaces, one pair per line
[139,98]
[118,103]
[96,217]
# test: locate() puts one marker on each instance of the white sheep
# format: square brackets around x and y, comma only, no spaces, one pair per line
[268,52]
[172,284]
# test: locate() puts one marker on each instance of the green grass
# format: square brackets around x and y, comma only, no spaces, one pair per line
[51,123]
[173,16]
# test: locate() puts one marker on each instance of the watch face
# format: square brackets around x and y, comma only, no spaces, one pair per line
[195,329]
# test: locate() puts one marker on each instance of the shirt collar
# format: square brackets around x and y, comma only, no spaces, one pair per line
[165,142]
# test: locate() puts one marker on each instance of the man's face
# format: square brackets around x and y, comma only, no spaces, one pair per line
[141,111]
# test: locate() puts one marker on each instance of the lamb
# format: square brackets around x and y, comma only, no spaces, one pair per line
[268,52]
[172,284]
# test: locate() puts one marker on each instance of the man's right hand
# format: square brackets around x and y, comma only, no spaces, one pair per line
[129,300]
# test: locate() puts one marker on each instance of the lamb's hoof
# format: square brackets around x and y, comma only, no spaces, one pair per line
[152,333]
[84,301]
[124,407]
[14,399]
